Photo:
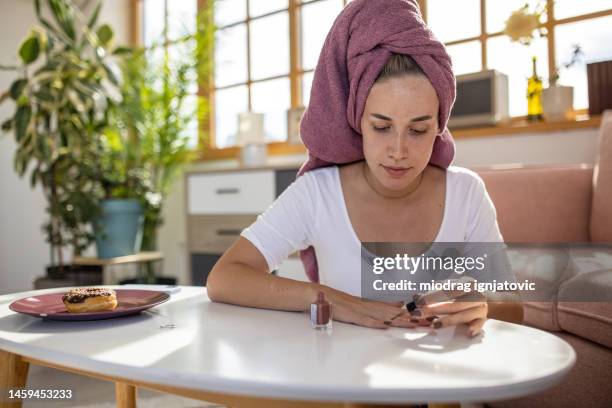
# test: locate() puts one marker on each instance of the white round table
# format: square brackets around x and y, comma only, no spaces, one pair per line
[191,343]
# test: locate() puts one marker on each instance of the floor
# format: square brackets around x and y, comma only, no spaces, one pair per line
[91,393]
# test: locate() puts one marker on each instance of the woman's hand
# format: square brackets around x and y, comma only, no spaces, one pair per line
[368,313]
[457,306]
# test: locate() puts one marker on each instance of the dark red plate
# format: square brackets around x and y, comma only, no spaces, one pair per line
[50,306]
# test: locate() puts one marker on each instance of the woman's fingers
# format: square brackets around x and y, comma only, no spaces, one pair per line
[404,320]
[373,323]
[436,296]
[475,326]
[381,310]
[442,308]
[477,311]
[466,301]
[349,316]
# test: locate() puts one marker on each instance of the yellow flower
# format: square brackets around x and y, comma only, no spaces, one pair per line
[521,25]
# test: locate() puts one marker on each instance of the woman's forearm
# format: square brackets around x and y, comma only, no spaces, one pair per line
[242,285]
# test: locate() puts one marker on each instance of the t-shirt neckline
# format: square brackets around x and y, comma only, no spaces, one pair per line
[348,219]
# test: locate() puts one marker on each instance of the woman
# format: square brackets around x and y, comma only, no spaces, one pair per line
[377,172]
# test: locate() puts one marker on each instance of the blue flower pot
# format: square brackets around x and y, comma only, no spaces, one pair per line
[119,228]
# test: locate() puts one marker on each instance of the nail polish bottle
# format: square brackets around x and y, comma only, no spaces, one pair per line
[321,313]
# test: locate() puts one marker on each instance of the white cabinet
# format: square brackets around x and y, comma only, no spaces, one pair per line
[221,204]
[245,192]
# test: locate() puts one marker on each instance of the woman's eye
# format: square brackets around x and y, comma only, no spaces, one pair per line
[381,129]
[419,132]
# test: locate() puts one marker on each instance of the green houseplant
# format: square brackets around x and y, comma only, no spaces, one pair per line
[148,140]
[62,93]
[87,135]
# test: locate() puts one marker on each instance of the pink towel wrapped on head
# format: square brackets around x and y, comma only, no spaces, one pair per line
[357,47]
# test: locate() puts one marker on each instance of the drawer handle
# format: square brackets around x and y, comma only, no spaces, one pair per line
[228,232]
[232,190]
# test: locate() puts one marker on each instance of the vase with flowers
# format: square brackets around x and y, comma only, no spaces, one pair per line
[520,27]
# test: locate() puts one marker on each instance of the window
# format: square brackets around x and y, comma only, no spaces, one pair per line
[473,48]
[163,22]
[266,50]
[254,66]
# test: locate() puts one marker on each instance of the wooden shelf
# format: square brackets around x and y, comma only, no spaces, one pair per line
[139,257]
[521,125]
[516,126]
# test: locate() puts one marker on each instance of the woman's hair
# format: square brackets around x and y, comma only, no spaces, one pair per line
[399,65]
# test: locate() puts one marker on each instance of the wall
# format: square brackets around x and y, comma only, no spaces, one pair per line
[577,146]
[23,252]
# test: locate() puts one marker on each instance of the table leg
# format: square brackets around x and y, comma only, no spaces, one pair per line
[125,395]
[13,374]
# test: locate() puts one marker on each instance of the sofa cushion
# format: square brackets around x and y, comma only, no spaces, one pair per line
[547,266]
[584,306]
[541,203]
[565,273]
[601,211]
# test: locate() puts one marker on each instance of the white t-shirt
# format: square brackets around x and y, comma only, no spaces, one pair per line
[312,212]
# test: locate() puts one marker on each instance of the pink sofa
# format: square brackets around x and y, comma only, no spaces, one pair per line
[565,204]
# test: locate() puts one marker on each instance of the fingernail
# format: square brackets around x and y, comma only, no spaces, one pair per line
[417,312]
[437,324]
[411,306]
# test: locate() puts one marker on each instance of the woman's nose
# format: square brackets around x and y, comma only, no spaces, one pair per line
[397,149]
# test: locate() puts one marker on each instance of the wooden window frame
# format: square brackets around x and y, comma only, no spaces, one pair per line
[517,124]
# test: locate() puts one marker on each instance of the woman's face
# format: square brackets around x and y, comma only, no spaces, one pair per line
[399,126]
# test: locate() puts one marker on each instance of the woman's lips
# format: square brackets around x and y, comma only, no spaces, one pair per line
[396,171]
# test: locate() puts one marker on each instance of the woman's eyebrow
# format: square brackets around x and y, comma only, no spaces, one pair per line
[417,119]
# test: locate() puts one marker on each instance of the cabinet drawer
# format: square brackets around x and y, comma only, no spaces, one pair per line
[249,192]
[213,234]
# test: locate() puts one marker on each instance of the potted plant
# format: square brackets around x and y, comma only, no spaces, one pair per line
[62,94]
[147,140]
[558,100]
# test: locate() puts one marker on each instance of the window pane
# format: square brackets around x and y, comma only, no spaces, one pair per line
[317,19]
[259,7]
[231,55]
[514,60]
[306,87]
[153,21]
[273,100]
[593,36]
[569,8]
[499,11]
[466,57]
[270,46]
[181,18]
[229,11]
[443,15]
[228,104]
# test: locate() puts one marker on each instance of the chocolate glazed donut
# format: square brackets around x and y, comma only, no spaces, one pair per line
[84,300]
